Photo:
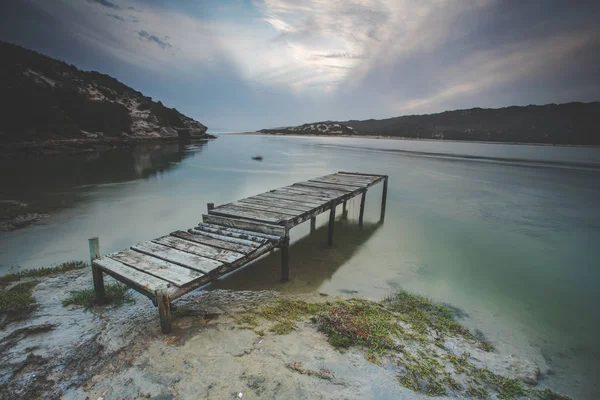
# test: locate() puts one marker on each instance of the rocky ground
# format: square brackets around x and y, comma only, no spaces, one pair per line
[249,344]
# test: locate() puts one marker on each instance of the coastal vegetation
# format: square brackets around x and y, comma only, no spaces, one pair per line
[567,124]
[116,295]
[411,333]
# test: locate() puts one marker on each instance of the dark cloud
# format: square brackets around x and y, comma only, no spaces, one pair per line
[106,3]
[153,38]
[115,16]
[134,19]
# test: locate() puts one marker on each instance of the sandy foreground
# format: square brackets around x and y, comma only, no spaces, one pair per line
[119,353]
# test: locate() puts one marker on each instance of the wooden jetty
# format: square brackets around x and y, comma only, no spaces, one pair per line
[229,237]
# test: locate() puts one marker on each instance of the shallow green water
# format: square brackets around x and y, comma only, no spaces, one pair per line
[513,244]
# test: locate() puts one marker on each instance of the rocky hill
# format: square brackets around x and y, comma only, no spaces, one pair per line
[571,123]
[44,99]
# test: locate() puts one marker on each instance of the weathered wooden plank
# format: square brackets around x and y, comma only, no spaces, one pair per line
[202,264]
[244,224]
[140,281]
[331,186]
[226,231]
[306,216]
[202,250]
[320,191]
[336,181]
[245,232]
[262,216]
[226,238]
[273,208]
[321,194]
[304,199]
[177,275]
[257,253]
[356,178]
[333,195]
[265,201]
[238,248]
[361,174]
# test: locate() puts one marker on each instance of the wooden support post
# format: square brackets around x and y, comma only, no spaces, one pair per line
[383,199]
[313,224]
[164,309]
[344,209]
[210,206]
[97,274]
[331,223]
[285,261]
[363,199]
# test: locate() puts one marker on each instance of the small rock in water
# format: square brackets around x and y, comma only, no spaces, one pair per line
[257,158]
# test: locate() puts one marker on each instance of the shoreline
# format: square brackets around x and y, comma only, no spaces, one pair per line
[411,139]
[82,146]
[263,344]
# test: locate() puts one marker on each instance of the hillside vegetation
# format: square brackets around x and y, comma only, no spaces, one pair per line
[571,123]
[45,99]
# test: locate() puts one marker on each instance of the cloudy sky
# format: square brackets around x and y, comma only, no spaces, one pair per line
[237,65]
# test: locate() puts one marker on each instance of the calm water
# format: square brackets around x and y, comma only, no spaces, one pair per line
[514,244]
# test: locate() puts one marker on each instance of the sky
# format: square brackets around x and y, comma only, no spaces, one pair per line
[247,65]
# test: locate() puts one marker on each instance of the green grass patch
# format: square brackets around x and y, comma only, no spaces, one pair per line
[18,299]
[406,329]
[360,322]
[43,271]
[116,295]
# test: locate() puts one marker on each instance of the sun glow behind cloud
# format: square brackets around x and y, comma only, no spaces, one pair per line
[399,55]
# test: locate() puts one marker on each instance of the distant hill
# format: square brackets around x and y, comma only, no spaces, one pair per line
[44,99]
[571,123]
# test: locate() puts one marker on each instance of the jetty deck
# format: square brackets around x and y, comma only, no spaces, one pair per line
[229,237]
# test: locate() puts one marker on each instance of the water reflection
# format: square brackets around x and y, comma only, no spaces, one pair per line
[312,261]
[52,183]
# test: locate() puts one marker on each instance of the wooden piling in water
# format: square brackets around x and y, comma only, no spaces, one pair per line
[97,274]
[363,199]
[210,206]
[383,199]
[313,224]
[331,224]
[285,261]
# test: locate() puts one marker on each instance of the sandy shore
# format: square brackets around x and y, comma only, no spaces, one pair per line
[405,139]
[119,352]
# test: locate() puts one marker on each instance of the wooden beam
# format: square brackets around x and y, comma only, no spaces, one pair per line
[94,244]
[292,205]
[254,215]
[175,274]
[220,244]
[363,199]
[313,224]
[331,224]
[360,174]
[210,206]
[243,232]
[188,260]
[144,283]
[164,309]
[330,186]
[244,224]
[229,239]
[384,199]
[285,266]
